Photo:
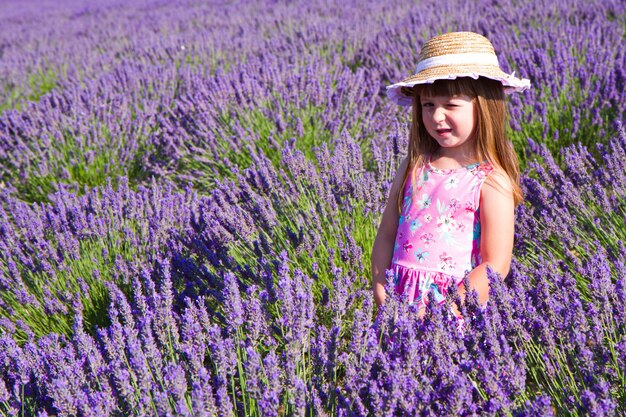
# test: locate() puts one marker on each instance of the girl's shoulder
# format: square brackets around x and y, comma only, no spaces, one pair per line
[497,180]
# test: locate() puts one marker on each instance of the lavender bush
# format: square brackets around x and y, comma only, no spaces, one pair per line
[74,245]
[190,193]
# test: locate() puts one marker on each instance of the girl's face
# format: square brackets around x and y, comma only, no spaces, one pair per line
[450,120]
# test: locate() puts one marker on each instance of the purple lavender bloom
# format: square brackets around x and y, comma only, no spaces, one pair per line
[158,171]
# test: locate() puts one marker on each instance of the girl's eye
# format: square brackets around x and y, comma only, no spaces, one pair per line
[426,105]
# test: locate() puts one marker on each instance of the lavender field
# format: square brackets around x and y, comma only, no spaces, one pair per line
[190,192]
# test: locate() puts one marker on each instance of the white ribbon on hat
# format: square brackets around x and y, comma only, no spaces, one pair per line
[458,59]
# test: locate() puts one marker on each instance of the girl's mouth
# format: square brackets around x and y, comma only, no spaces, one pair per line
[443,131]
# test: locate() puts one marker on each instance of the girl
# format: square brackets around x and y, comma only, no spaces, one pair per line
[450,208]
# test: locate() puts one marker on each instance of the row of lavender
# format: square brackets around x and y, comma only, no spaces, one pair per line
[158,97]
[193,330]
[156,275]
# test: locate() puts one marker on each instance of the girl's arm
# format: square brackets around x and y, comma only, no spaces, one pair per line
[496,235]
[382,251]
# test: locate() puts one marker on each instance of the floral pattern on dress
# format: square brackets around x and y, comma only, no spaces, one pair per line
[415,224]
[424,202]
[420,255]
[438,238]
[446,262]
[481,171]
[451,182]
[455,205]
[427,239]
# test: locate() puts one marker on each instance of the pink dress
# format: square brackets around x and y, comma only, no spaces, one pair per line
[438,237]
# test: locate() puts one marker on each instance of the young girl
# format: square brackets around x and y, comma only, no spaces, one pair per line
[450,208]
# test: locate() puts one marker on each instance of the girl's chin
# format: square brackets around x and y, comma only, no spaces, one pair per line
[450,141]
[445,143]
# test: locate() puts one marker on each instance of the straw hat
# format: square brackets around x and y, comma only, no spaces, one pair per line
[453,55]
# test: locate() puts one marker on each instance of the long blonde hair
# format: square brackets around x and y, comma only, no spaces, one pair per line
[492,145]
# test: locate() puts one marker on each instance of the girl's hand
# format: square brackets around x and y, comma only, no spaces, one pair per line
[455,310]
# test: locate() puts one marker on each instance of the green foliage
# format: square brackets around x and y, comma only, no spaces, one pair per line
[10,98]
[90,269]
[82,166]
[41,82]
[568,122]
[335,230]
[264,138]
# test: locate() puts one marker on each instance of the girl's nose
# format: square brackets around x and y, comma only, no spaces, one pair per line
[438,115]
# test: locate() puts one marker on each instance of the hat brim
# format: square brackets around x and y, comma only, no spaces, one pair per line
[511,83]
